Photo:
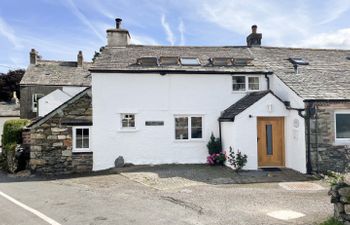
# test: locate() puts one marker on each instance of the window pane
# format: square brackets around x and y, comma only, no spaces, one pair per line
[253,83]
[181,128]
[343,125]
[128,120]
[196,127]
[269,150]
[86,138]
[238,83]
[79,138]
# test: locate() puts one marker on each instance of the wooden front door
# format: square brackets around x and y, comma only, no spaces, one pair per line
[270,141]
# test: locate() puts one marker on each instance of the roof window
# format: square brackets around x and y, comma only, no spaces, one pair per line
[348,57]
[241,61]
[148,61]
[188,61]
[221,61]
[169,60]
[298,61]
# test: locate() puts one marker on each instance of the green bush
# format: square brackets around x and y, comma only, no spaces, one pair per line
[214,145]
[12,135]
[12,132]
[331,221]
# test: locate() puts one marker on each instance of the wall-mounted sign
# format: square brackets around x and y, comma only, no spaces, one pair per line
[154,123]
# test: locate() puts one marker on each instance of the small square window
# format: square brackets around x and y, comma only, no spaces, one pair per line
[342,124]
[128,120]
[81,139]
[238,83]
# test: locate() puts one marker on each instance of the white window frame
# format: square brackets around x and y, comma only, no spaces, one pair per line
[340,140]
[75,149]
[189,127]
[246,83]
[134,128]
[35,96]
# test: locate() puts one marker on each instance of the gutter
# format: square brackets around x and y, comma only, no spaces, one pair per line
[164,72]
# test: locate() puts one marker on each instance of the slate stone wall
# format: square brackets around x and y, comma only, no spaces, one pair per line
[51,142]
[326,154]
[340,197]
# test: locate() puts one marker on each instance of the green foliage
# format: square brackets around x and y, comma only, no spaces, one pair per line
[214,145]
[9,83]
[238,160]
[12,133]
[332,221]
[334,178]
[7,157]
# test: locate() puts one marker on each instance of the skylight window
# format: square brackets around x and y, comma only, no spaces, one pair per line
[169,61]
[241,61]
[348,57]
[221,61]
[147,61]
[187,61]
[298,61]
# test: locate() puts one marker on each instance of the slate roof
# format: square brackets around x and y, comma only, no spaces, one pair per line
[9,110]
[60,73]
[231,112]
[327,77]
[124,59]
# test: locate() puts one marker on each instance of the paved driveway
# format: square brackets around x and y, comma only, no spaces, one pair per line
[123,199]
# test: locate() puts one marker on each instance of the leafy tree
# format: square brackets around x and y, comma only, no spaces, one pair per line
[9,83]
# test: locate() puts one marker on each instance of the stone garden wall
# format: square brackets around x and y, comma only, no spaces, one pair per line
[51,142]
[340,197]
[325,153]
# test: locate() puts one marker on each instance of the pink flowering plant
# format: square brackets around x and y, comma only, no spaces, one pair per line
[216,155]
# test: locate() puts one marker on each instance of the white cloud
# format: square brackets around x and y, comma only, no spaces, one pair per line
[143,40]
[338,39]
[7,31]
[169,33]
[182,32]
[74,9]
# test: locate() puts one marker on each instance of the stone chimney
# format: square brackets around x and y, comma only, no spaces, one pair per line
[254,39]
[118,37]
[80,59]
[33,59]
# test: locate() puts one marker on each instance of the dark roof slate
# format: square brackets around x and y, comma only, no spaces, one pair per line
[242,104]
[60,73]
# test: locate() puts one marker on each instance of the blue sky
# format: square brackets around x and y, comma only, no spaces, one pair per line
[58,29]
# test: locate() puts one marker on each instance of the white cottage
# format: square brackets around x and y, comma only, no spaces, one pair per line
[160,104]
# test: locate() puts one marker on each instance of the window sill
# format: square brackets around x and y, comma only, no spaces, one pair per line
[342,142]
[81,150]
[126,130]
[188,140]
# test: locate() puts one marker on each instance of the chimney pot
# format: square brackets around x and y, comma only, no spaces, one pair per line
[80,59]
[118,22]
[33,57]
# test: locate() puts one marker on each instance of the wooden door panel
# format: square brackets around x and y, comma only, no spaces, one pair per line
[270,141]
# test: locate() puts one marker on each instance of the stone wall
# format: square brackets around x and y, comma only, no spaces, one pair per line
[340,197]
[51,141]
[325,153]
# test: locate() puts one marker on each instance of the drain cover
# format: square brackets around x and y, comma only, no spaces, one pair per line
[301,186]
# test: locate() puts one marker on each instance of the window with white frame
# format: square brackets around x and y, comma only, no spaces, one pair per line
[188,127]
[245,83]
[127,120]
[81,139]
[35,101]
[342,126]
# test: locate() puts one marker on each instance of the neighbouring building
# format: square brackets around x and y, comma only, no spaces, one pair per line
[45,76]
[283,107]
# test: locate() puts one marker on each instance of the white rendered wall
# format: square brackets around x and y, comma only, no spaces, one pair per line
[295,126]
[156,98]
[72,90]
[52,101]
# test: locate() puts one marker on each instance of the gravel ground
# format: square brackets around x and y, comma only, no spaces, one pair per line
[122,199]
